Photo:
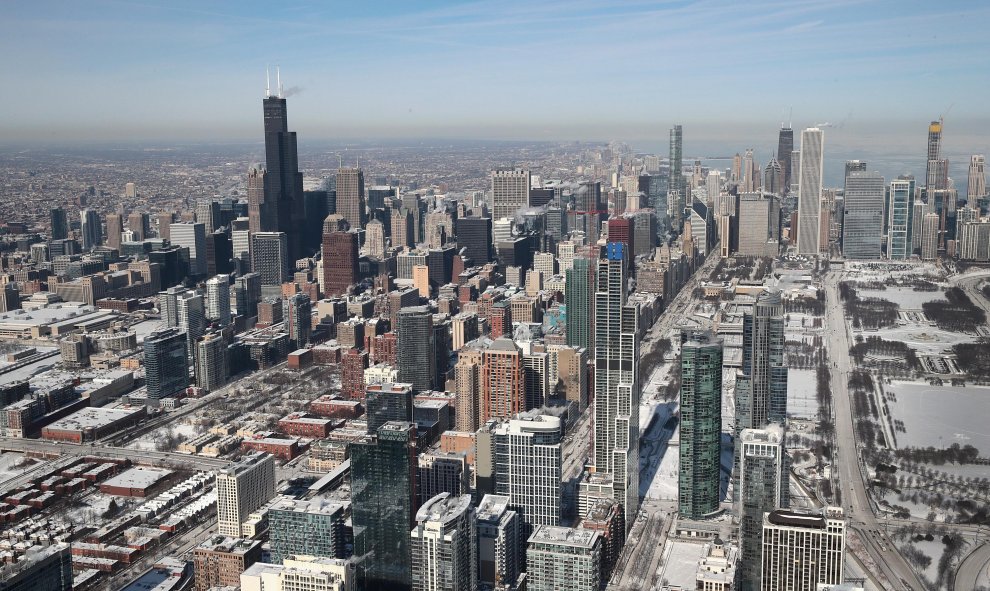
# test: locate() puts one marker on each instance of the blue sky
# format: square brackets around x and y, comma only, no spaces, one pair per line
[627,69]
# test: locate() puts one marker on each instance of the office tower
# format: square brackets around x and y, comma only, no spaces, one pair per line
[340,262]
[298,319]
[563,558]
[526,455]
[536,387]
[45,569]
[862,220]
[416,347]
[165,226]
[212,366]
[785,146]
[810,192]
[929,237]
[130,190]
[802,551]
[713,189]
[701,426]
[92,231]
[401,231]
[283,183]
[773,178]
[499,542]
[474,237]
[502,394]
[270,257]
[899,225]
[388,402]
[193,237]
[247,294]
[467,380]
[375,239]
[262,214]
[578,297]
[166,364]
[115,227]
[977,186]
[676,182]
[440,471]
[242,488]
[218,299]
[350,197]
[936,171]
[383,506]
[510,192]
[617,386]
[750,178]
[59,223]
[10,298]
[208,213]
[761,383]
[313,527]
[444,545]
[763,487]
[191,316]
[139,224]
[758,223]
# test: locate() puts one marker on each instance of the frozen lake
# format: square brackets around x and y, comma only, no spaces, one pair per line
[940,416]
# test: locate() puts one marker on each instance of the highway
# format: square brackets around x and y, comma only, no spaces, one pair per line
[974,567]
[851,486]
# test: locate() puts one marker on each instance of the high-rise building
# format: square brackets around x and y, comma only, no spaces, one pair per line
[282,181]
[190,312]
[929,237]
[242,488]
[810,192]
[502,392]
[270,257]
[139,224]
[977,186]
[761,383]
[219,561]
[374,243]
[802,551]
[193,237]
[416,347]
[773,177]
[314,527]
[47,569]
[510,192]
[218,299]
[212,366]
[862,220]
[444,545]
[563,558]
[340,262]
[59,223]
[383,506]
[350,197]
[698,490]
[617,387]
[758,221]
[247,294]
[763,486]
[262,214]
[899,221]
[115,228]
[387,402]
[166,363]
[579,283]
[92,231]
[208,213]
[936,171]
[526,454]
[676,156]
[474,236]
[298,319]
[785,146]
[499,542]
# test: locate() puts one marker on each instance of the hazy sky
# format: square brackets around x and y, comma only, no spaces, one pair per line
[520,69]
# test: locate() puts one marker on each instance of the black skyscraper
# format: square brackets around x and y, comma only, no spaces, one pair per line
[785,145]
[283,181]
[60,224]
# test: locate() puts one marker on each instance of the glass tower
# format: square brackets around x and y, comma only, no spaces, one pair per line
[701,425]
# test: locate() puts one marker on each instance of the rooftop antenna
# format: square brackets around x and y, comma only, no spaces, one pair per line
[268,81]
[340,161]
[790,117]
[278,78]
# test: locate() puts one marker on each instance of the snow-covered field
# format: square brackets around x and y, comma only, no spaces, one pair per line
[940,416]
[148,441]
[802,400]
[905,297]
[8,461]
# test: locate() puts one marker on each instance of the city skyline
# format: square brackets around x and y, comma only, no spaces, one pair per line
[415,69]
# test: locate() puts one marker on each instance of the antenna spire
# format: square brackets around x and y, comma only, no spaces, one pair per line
[278,77]
[268,81]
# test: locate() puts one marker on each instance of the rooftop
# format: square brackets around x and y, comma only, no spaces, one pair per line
[492,507]
[94,417]
[564,536]
[138,478]
[444,508]
[228,545]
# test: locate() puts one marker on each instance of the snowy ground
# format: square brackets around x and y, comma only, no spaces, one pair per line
[658,451]
[905,297]
[925,339]
[940,416]
[802,400]
[8,461]
[147,442]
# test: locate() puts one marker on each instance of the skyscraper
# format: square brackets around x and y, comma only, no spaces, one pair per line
[510,192]
[444,545]
[499,547]
[698,489]
[298,319]
[270,257]
[416,351]
[166,363]
[247,294]
[676,182]
[773,177]
[617,387]
[803,550]
[526,455]
[761,383]
[936,173]
[60,224]
[929,237]
[502,394]
[262,214]
[862,221]
[193,237]
[340,261]
[899,222]
[578,290]
[388,402]
[92,231]
[212,366]
[115,227]
[563,558]
[218,299]
[474,234]
[383,506]
[350,197]
[810,192]
[977,186]
[283,182]
[242,488]
[190,309]
[785,145]
[763,486]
